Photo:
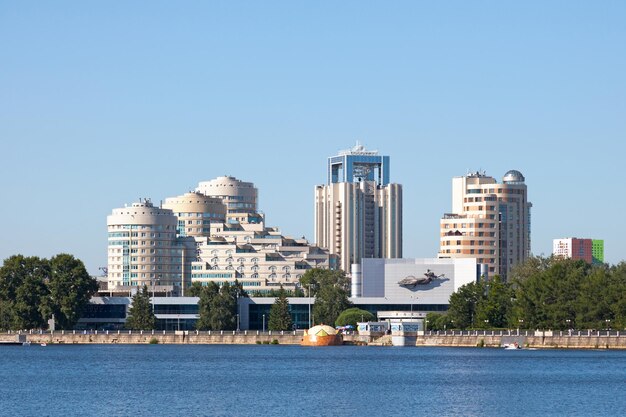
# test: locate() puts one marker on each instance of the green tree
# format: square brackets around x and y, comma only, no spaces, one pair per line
[352,316]
[223,308]
[331,291]
[194,289]
[548,294]
[5,315]
[462,305]
[494,304]
[280,316]
[206,295]
[22,289]
[618,295]
[70,289]
[140,315]
[437,321]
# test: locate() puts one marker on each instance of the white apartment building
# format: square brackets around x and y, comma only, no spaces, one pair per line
[143,249]
[196,212]
[240,197]
[257,256]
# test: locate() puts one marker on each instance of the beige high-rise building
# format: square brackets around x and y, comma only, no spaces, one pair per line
[358,213]
[241,198]
[196,212]
[143,249]
[489,221]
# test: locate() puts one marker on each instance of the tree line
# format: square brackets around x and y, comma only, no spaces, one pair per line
[33,289]
[542,293]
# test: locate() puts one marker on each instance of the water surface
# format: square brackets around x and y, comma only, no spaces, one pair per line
[267,380]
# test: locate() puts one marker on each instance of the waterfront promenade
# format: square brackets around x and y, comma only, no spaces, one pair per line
[469,338]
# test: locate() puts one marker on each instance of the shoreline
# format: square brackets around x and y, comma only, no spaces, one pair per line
[533,340]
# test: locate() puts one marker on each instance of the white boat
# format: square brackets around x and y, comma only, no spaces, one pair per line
[512,346]
[44,344]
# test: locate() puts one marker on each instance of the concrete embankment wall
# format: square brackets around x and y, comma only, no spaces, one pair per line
[136,337]
[540,342]
[289,338]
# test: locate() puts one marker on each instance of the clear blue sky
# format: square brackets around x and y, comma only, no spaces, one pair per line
[105,102]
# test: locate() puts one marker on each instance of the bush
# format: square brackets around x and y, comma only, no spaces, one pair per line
[154,341]
[275,341]
[353,315]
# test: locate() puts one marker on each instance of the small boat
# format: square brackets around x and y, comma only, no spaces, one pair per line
[26,344]
[44,344]
[512,346]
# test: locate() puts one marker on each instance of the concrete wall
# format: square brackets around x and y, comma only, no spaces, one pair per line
[291,338]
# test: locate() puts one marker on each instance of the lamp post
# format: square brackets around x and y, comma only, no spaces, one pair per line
[520,321]
[486,323]
[263,323]
[309,305]
[152,285]
[608,324]
[237,310]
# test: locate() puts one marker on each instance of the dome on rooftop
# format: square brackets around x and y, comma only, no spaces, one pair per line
[512,177]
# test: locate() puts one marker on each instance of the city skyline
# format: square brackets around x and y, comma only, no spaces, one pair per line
[101,106]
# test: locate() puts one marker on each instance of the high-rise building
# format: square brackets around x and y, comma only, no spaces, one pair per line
[241,198]
[489,221]
[358,213]
[195,212]
[143,249]
[589,250]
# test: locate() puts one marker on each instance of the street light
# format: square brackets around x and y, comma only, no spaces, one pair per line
[263,323]
[608,324]
[309,305]
[520,321]
[237,310]
[486,323]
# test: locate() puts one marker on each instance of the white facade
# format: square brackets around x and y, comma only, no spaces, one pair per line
[562,248]
[143,249]
[195,213]
[380,278]
[259,257]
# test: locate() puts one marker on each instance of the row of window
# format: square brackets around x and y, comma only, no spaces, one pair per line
[157,227]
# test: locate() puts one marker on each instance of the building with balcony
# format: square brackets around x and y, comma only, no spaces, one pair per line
[259,257]
[489,221]
[143,249]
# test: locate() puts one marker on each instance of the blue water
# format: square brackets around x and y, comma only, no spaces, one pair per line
[267,380]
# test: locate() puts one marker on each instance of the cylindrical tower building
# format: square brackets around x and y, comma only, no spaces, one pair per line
[195,212]
[142,248]
[239,197]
